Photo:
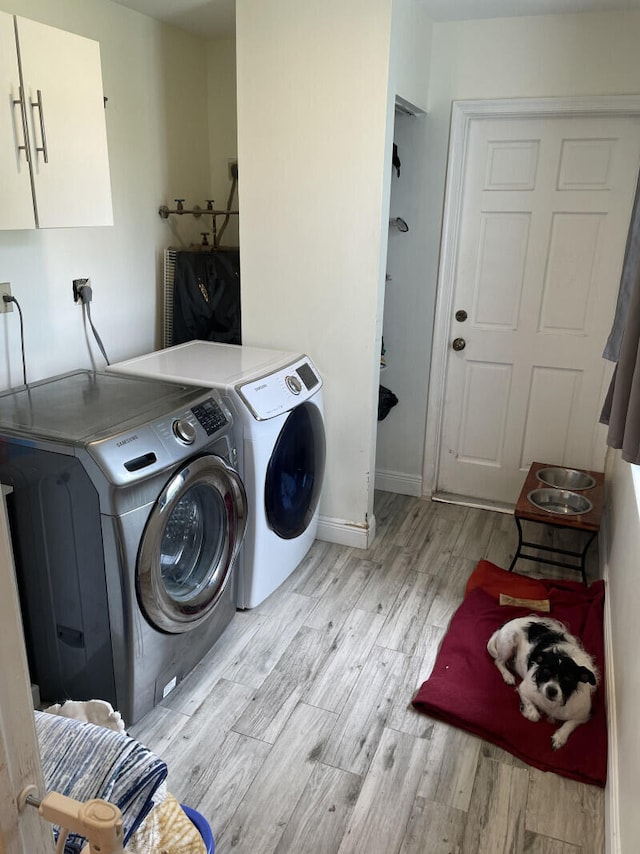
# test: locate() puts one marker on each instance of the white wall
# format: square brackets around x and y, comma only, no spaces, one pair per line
[223,137]
[316,83]
[156,80]
[410,52]
[623,592]
[312,119]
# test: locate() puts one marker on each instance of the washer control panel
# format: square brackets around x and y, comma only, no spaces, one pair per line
[184,431]
[281,391]
[159,444]
[210,415]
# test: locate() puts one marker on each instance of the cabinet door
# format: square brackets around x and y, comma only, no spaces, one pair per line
[16,210]
[62,81]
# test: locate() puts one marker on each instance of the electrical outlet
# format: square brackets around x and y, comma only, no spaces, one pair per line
[5,288]
[78,284]
[232,166]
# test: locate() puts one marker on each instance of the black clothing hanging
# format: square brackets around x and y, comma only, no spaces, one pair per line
[206,297]
[396,160]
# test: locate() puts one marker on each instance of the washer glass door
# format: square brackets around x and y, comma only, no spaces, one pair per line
[295,472]
[190,544]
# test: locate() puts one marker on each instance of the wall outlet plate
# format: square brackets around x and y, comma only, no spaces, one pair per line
[78,285]
[5,288]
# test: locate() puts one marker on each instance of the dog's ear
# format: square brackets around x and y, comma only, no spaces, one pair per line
[587,676]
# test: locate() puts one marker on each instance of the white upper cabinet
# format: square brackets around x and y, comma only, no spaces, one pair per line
[54,166]
[16,207]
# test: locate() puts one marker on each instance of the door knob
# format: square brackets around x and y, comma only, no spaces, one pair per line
[461,315]
[459,344]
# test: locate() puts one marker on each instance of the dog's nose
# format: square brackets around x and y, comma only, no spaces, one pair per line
[552,692]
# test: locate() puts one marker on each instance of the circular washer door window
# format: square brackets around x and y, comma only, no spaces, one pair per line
[295,472]
[190,544]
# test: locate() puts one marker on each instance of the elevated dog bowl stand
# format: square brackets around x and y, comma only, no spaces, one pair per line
[587,522]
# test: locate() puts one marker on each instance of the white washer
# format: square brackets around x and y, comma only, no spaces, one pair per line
[277,396]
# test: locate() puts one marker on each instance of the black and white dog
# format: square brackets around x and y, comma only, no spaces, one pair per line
[558,676]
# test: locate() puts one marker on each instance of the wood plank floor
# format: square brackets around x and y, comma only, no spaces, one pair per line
[295,735]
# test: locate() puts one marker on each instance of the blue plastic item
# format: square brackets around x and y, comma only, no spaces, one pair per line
[202,826]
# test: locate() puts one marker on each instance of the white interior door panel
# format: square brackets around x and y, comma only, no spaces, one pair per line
[544,214]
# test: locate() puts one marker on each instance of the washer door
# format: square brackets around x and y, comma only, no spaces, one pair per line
[295,472]
[190,543]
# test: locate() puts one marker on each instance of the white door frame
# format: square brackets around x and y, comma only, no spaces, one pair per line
[19,751]
[463,113]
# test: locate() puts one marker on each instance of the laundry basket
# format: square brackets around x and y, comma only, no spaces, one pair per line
[202,826]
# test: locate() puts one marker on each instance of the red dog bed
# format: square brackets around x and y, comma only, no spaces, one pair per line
[465,688]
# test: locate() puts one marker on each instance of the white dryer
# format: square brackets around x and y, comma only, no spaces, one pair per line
[277,398]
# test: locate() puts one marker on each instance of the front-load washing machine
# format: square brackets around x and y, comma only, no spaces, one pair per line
[278,398]
[127,515]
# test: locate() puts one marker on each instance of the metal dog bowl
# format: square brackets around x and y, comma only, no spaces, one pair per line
[560,501]
[566,478]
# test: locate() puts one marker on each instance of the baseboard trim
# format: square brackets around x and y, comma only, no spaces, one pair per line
[612,792]
[399,482]
[345,533]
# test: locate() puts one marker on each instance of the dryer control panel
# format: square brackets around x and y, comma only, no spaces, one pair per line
[281,391]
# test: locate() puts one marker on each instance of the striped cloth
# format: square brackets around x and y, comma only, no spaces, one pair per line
[84,761]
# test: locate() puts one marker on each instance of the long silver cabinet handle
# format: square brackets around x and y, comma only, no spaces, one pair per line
[43,147]
[23,116]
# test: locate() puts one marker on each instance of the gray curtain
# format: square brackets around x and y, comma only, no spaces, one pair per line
[621,409]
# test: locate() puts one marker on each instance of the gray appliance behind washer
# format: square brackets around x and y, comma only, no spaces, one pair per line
[88,456]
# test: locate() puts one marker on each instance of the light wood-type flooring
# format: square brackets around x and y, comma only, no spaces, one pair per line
[295,735]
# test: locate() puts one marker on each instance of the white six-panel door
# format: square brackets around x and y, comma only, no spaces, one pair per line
[543,218]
